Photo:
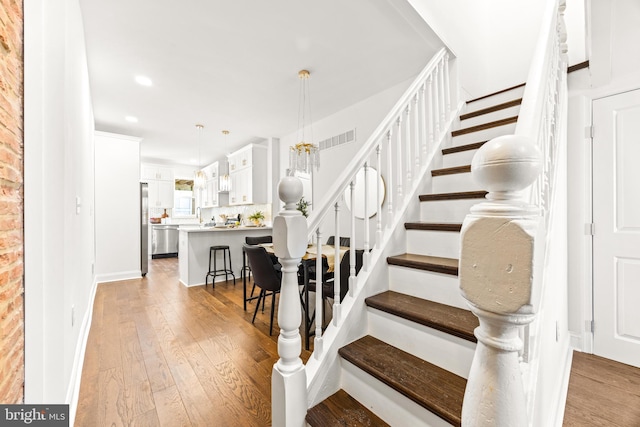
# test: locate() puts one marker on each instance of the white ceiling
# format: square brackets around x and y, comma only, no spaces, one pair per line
[233,65]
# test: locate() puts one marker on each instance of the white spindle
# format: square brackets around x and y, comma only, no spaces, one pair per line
[429,112]
[337,311]
[317,340]
[436,101]
[416,134]
[378,198]
[399,170]
[496,278]
[352,259]
[447,88]
[366,217]
[407,142]
[441,90]
[390,179]
[423,121]
[289,408]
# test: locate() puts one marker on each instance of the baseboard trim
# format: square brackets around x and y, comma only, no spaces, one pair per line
[122,275]
[73,390]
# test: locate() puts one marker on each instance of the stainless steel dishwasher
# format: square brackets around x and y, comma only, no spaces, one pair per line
[164,241]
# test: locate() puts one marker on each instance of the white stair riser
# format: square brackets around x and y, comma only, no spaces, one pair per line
[429,285]
[444,350]
[458,159]
[483,135]
[393,407]
[454,183]
[490,117]
[495,99]
[446,210]
[434,243]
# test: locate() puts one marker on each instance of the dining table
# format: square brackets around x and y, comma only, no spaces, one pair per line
[307,264]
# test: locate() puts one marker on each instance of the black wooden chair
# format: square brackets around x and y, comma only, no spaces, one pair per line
[265,275]
[245,273]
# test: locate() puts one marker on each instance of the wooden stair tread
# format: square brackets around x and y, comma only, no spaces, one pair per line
[433,226]
[451,171]
[426,262]
[452,320]
[495,93]
[453,196]
[491,109]
[340,409]
[460,148]
[485,126]
[428,385]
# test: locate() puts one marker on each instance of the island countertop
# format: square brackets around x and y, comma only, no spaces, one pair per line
[194,242]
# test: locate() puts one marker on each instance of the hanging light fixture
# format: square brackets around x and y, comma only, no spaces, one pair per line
[305,154]
[200,179]
[225,181]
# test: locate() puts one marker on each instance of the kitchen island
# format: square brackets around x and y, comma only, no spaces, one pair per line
[193,250]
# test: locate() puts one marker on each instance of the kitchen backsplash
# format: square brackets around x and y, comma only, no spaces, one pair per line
[213,214]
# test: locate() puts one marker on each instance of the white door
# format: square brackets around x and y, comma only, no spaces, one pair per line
[616,217]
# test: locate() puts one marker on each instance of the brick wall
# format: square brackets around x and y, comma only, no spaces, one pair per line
[11,203]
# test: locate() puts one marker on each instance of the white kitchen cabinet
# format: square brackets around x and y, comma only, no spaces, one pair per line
[248,175]
[209,194]
[158,173]
[161,194]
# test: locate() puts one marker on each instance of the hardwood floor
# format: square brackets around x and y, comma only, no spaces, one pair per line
[161,354]
[602,393]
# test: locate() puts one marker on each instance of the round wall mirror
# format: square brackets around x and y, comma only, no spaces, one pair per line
[373,178]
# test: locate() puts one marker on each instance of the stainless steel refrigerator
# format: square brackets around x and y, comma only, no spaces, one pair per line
[144,228]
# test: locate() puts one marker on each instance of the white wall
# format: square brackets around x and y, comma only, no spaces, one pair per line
[59,241]
[614,64]
[492,40]
[117,176]
[364,116]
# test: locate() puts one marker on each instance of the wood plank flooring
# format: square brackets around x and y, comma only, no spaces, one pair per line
[602,393]
[161,354]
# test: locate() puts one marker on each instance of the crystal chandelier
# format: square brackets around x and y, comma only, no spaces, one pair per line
[305,154]
[225,180]
[200,179]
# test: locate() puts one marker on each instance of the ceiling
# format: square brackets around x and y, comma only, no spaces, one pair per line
[234,65]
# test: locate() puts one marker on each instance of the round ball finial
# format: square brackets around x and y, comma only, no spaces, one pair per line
[290,190]
[507,163]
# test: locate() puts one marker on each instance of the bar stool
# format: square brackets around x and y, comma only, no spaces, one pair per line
[213,251]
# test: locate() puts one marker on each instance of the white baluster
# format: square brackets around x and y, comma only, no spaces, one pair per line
[429,112]
[447,89]
[416,134]
[436,102]
[317,340]
[407,142]
[441,90]
[366,217]
[399,172]
[498,277]
[390,179]
[289,378]
[423,121]
[378,198]
[352,257]
[337,307]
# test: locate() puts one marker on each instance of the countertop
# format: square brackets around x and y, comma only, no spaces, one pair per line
[198,229]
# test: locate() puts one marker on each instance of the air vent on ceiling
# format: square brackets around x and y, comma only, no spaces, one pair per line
[343,138]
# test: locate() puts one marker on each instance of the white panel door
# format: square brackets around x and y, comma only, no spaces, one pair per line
[616,216]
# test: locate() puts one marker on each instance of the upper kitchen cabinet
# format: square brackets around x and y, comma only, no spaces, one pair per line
[248,175]
[158,173]
[209,194]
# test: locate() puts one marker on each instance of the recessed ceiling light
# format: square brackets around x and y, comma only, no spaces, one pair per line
[144,80]
[131,119]
[193,161]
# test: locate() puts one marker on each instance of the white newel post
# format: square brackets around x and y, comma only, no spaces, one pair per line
[289,378]
[499,267]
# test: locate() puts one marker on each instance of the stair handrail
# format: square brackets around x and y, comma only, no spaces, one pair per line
[502,278]
[407,139]
[340,184]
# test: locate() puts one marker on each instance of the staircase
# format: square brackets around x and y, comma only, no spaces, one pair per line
[411,367]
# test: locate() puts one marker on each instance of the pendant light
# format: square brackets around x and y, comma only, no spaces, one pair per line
[305,154]
[200,179]
[225,180]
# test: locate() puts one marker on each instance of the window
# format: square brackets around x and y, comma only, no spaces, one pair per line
[183,198]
